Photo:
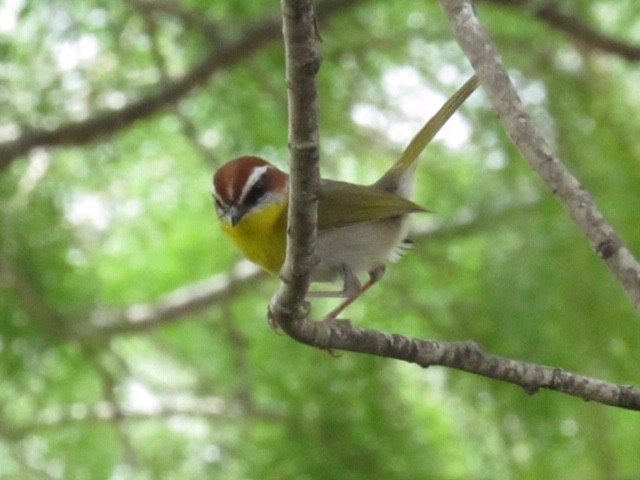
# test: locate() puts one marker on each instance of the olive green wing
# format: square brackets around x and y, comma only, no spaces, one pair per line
[342,204]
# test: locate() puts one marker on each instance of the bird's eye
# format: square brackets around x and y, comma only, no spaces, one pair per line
[256,193]
[219,205]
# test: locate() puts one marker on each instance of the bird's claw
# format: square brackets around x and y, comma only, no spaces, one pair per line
[332,321]
[305,308]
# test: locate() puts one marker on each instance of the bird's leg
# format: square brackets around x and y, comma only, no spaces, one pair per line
[350,287]
[374,277]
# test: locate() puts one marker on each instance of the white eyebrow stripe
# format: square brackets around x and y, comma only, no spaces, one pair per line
[230,191]
[251,181]
[215,195]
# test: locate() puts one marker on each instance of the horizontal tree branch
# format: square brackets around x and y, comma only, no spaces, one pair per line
[487,63]
[467,357]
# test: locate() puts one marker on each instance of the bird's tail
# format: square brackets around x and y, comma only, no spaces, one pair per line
[398,173]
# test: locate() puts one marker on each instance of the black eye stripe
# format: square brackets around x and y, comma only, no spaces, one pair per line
[257,191]
[220,205]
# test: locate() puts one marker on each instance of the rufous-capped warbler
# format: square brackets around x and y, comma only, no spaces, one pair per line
[360,227]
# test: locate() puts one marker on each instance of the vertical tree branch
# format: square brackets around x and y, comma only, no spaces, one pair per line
[485,59]
[288,308]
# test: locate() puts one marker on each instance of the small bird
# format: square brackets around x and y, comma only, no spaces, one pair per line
[360,227]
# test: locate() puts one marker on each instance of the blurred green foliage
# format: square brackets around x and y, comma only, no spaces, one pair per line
[91,234]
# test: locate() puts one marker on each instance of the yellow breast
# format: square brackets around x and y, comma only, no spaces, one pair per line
[261,236]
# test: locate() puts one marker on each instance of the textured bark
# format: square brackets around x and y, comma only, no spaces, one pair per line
[288,307]
[581,207]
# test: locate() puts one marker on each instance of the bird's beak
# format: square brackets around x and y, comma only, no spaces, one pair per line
[235,214]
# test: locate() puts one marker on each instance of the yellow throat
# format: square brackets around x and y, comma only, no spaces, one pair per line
[261,236]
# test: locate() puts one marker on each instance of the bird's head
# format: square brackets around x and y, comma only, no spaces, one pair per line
[246,185]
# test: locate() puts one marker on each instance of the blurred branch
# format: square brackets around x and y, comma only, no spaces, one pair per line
[190,19]
[24,458]
[467,223]
[574,27]
[224,55]
[485,59]
[171,307]
[288,308]
[107,123]
[240,360]
[105,412]
[109,385]
[31,300]
[189,129]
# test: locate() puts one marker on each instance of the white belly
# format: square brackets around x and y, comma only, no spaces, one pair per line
[360,248]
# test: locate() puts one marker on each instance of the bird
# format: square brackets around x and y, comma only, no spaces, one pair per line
[360,227]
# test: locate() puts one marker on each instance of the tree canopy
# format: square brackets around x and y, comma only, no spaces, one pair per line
[133,338]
